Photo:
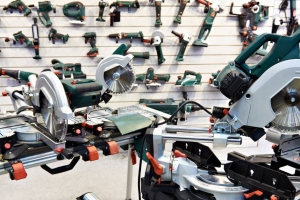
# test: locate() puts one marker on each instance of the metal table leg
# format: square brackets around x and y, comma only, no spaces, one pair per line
[129,174]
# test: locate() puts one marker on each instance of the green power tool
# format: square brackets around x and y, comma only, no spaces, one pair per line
[158,12]
[19,37]
[53,35]
[169,106]
[122,35]
[234,80]
[43,9]
[156,40]
[123,50]
[115,15]
[180,11]
[18,5]
[189,81]
[68,70]
[91,38]
[75,10]
[150,79]
[184,39]
[102,6]
[211,9]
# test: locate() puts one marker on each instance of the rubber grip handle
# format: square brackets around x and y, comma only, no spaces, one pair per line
[158,10]
[253,47]
[11,73]
[182,50]
[176,33]
[144,55]
[63,168]
[54,61]
[160,55]
[162,77]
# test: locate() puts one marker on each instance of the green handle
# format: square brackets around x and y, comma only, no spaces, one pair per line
[180,11]
[16,74]
[45,15]
[158,13]
[188,72]
[182,50]
[160,55]
[253,47]
[144,55]
[140,77]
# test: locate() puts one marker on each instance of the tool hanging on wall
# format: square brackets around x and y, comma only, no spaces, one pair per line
[53,35]
[187,80]
[123,35]
[114,13]
[212,9]
[75,10]
[252,14]
[184,39]
[156,40]
[123,50]
[91,38]
[19,37]
[169,106]
[102,6]
[43,9]
[18,5]
[68,70]
[150,79]
[292,22]
[36,39]
[158,12]
[181,10]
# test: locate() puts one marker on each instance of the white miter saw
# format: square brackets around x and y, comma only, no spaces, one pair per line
[54,100]
[265,95]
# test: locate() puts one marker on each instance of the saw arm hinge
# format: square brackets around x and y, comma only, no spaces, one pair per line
[18,171]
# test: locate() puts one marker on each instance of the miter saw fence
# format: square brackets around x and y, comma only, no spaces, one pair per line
[260,96]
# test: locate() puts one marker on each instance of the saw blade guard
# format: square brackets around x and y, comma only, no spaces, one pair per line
[116,74]
[50,97]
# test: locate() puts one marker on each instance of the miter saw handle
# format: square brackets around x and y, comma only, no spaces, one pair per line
[253,47]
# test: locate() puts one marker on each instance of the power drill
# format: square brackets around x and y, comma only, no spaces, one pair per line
[102,6]
[151,79]
[18,5]
[91,38]
[53,35]
[19,37]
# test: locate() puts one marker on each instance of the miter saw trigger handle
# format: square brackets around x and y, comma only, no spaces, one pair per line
[253,47]
[63,168]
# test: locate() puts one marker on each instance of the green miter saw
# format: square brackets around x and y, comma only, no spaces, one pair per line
[189,78]
[266,94]
[116,74]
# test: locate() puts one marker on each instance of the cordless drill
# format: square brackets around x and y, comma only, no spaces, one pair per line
[91,38]
[19,37]
[17,5]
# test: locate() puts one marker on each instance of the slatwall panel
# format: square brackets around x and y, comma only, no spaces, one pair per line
[224,45]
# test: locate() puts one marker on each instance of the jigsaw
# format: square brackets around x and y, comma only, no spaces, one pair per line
[43,9]
[75,10]
[156,40]
[53,35]
[150,79]
[187,80]
[18,5]
[184,39]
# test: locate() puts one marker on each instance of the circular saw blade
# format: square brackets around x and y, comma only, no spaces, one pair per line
[119,79]
[286,106]
[55,125]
